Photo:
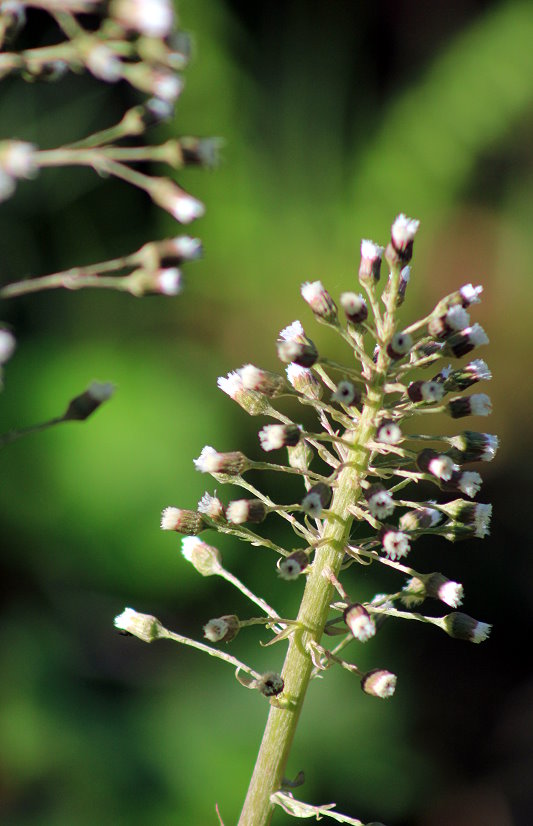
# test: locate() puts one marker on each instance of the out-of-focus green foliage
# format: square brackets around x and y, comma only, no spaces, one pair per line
[322,145]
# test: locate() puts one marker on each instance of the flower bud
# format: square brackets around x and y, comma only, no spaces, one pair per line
[479,404]
[153,18]
[203,557]
[359,622]
[471,446]
[290,567]
[473,514]
[347,393]
[462,627]
[182,521]
[212,507]
[380,501]
[463,342]
[399,345]
[222,629]
[403,231]
[274,436]
[232,464]
[454,320]
[7,345]
[246,510]
[438,464]
[389,433]
[355,307]
[429,392]
[370,266]
[304,381]
[395,543]
[379,683]
[468,482]
[420,519]
[440,587]
[294,346]
[250,400]
[262,381]
[465,377]
[144,626]
[182,206]
[269,684]
[320,301]
[318,498]
[82,406]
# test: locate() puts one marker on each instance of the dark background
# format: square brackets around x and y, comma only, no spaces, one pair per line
[335,116]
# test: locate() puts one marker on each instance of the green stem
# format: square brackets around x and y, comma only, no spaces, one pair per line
[312,616]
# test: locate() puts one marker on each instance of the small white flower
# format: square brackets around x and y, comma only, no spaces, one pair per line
[272,437]
[170,518]
[370,250]
[457,318]
[476,334]
[184,208]
[154,18]
[294,332]
[312,505]
[480,632]
[470,294]
[396,544]
[389,433]
[168,281]
[216,629]
[231,384]
[168,86]
[404,230]
[480,404]
[482,517]
[187,247]
[479,369]
[100,391]
[451,593]
[207,461]
[211,506]
[442,467]
[431,391]
[470,483]
[17,159]
[492,444]
[345,393]
[381,504]
[104,64]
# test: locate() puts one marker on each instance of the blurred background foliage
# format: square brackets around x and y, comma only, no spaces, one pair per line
[336,115]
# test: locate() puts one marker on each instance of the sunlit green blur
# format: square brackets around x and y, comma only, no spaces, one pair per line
[335,117]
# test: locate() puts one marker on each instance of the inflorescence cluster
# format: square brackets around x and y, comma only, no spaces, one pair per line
[356,510]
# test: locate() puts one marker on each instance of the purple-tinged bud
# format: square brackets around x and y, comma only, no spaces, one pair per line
[454,320]
[420,519]
[269,684]
[470,295]
[231,464]
[465,481]
[212,507]
[464,341]
[317,498]
[246,510]
[380,502]
[294,346]
[463,297]
[399,345]
[472,514]
[471,446]
[379,683]
[222,629]
[405,276]
[479,404]
[438,464]
[182,521]
[359,622]
[275,436]
[203,557]
[320,301]
[429,392]
[395,543]
[199,151]
[462,627]
[355,307]
[440,587]
[370,266]
[143,626]
[465,377]
[347,393]
[84,405]
[403,231]
[262,381]
[253,402]
[388,433]
[290,567]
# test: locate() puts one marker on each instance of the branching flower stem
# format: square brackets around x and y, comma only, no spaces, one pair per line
[283,718]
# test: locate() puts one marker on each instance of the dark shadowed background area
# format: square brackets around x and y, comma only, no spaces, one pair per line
[336,116]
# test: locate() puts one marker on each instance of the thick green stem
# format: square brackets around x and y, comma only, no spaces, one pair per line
[283,719]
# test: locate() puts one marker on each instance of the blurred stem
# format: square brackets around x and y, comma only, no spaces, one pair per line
[283,718]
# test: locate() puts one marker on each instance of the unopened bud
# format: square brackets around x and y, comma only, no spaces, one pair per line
[304,381]
[144,626]
[290,567]
[269,684]
[182,521]
[429,392]
[250,400]
[275,436]
[399,345]
[479,404]
[471,446]
[82,406]
[420,519]
[355,307]
[359,621]
[246,510]
[318,498]
[222,629]
[465,377]
[403,231]
[203,557]
[389,433]
[320,301]
[294,346]
[463,342]
[438,464]
[380,501]
[379,683]
[231,464]
[347,393]
[395,543]
[262,381]
[462,627]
